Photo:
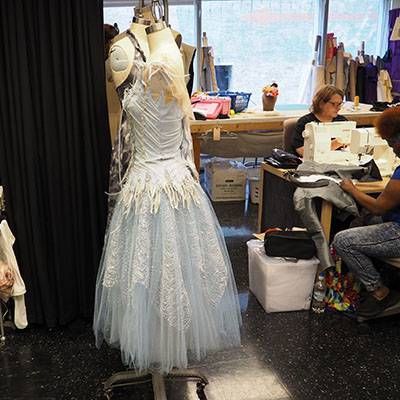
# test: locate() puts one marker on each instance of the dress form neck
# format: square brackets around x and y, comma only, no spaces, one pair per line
[139,30]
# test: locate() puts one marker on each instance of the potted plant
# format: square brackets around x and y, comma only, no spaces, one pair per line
[269,97]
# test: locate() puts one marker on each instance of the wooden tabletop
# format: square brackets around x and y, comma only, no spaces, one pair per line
[264,121]
[273,120]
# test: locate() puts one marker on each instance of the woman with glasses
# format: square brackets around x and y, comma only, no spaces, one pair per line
[358,246]
[325,108]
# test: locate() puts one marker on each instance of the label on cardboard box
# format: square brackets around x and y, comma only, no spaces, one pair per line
[225,184]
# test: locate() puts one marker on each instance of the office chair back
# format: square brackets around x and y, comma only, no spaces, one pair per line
[289,126]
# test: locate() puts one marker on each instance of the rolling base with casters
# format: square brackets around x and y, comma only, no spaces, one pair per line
[395,309]
[127,378]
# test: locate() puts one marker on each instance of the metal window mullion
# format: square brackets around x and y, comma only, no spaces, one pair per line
[323,14]
[198,34]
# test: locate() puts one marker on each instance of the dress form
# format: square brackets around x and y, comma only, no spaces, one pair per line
[164,56]
[138,28]
[163,47]
[163,50]
[160,181]
[122,51]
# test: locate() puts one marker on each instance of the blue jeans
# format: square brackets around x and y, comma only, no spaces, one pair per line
[356,246]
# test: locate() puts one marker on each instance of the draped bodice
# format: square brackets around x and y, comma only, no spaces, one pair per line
[157,124]
[157,129]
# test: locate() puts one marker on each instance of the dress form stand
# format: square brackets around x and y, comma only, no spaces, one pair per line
[162,48]
[2,336]
[130,377]
[4,323]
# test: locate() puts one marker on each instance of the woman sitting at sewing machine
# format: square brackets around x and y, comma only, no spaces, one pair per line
[357,246]
[325,106]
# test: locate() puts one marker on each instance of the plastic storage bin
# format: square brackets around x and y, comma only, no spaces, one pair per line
[278,284]
[239,100]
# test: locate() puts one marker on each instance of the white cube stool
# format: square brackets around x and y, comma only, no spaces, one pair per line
[280,284]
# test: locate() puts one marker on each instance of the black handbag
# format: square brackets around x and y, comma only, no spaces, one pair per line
[289,244]
[283,159]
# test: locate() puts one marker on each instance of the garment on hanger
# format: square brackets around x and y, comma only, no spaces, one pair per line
[380,64]
[360,82]
[371,80]
[8,267]
[165,290]
[384,87]
[392,58]
[346,72]
[188,52]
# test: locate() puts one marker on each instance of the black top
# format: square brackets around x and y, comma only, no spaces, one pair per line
[297,138]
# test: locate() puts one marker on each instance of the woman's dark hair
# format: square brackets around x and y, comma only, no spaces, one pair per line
[323,95]
[388,123]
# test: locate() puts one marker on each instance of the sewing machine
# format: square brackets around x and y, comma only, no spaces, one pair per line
[367,141]
[317,142]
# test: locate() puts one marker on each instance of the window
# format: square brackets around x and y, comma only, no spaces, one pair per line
[354,21]
[264,41]
[181,19]
[268,40]
[120,15]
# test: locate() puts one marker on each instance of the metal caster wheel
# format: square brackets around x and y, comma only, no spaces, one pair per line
[108,394]
[200,391]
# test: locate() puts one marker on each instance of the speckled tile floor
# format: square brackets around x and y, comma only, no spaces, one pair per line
[294,355]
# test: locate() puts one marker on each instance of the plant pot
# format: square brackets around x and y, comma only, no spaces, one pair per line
[268,102]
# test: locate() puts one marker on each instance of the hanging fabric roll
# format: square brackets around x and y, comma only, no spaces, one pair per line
[351,87]
[339,82]
[330,63]
[318,78]
[208,80]
[309,87]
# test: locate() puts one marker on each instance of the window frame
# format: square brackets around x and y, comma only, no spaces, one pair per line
[321,28]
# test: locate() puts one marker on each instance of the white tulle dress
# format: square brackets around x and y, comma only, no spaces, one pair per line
[165,292]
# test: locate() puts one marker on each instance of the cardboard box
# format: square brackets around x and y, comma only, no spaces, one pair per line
[278,284]
[225,180]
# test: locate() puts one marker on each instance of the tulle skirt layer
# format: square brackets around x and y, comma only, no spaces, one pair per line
[165,292]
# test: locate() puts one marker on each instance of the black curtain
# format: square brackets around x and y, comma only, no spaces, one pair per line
[54,149]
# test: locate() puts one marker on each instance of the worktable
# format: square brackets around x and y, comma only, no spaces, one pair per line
[271,209]
[269,121]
